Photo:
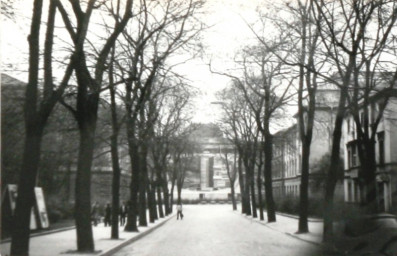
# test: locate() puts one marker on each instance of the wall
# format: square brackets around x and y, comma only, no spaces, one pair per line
[101,187]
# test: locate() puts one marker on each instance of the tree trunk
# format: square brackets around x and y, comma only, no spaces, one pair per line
[155,210]
[167,203]
[247,192]
[31,154]
[233,197]
[368,172]
[253,197]
[151,203]
[142,193]
[332,176]
[242,187]
[160,201]
[115,187]
[304,187]
[26,199]
[259,185]
[115,157]
[85,241]
[134,187]
[179,190]
[86,115]
[271,208]
[172,196]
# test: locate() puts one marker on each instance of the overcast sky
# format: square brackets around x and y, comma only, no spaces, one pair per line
[228,33]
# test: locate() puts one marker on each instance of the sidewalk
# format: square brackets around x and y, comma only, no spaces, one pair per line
[288,224]
[379,242]
[64,242]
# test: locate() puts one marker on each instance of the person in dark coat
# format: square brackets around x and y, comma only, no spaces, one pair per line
[108,214]
[123,213]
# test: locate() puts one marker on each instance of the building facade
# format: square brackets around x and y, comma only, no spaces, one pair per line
[287,148]
[211,147]
[385,155]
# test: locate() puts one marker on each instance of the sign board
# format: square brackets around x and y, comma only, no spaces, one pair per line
[41,209]
[12,195]
[12,190]
[33,223]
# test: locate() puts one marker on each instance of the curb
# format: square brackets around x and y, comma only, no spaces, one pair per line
[289,234]
[304,240]
[116,248]
[319,244]
[297,217]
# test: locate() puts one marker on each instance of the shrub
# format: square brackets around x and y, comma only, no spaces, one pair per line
[287,204]
[59,210]
[290,205]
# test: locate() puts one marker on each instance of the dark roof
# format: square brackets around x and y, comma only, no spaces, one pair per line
[7,80]
[281,133]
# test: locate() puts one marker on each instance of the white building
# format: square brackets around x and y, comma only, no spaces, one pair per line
[287,150]
[386,155]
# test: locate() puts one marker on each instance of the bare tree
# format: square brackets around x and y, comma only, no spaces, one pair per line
[346,35]
[238,126]
[37,108]
[114,145]
[183,154]
[262,84]
[89,86]
[7,9]
[159,29]
[259,181]
[231,168]
[345,30]
[171,121]
[298,47]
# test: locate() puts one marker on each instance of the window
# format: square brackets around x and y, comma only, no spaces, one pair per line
[294,166]
[349,192]
[374,112]
[352,157]
[362,118]
[356,192]
[348,125]
[349,156]
[381,147]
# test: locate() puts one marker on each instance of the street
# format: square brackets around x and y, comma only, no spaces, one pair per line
[217,230]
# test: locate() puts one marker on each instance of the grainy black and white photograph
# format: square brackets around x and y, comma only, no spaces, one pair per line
[198,128]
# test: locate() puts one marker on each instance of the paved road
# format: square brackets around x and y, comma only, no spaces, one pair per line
[215,231]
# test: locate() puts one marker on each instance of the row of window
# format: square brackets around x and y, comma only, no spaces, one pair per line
[353,192]
[291,190]
[290,166]
[372,115]
[352,151]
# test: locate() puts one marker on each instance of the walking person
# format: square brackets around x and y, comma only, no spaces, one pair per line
[179,211]
[95,213]
[123,213]
[108,214]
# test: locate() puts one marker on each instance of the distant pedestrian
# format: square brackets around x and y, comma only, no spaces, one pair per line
[179,211]
[95,213]
[123,213]
[108,214]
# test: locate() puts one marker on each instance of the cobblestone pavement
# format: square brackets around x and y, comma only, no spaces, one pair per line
[215,230]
